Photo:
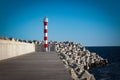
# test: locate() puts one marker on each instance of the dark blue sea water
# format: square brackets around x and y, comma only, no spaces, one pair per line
[110,71]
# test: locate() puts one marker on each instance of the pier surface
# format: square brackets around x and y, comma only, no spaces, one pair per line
[34,66]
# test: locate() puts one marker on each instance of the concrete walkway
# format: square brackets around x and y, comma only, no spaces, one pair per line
[34,66]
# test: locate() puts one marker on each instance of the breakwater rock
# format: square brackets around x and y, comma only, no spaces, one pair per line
[78,60]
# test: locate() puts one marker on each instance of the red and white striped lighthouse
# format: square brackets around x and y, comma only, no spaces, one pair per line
[46,34]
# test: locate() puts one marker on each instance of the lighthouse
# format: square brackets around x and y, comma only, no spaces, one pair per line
[46,34]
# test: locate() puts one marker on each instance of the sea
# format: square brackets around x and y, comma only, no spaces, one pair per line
[110,71]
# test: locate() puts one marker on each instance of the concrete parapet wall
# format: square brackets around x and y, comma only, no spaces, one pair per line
[10,49]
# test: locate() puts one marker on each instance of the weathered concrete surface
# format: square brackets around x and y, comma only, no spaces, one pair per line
[34,66]
[13,48]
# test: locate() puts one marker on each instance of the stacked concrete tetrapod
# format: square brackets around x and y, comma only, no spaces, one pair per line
[46,34]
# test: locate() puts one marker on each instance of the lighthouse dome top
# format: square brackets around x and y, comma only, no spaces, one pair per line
[45,19]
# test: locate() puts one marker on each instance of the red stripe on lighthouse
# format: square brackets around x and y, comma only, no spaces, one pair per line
[45,38]
[45,23]
[45,31]
[46,45]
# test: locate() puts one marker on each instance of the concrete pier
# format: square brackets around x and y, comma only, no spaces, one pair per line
[34,66]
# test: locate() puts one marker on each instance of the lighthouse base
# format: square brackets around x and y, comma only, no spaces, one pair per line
[40,48]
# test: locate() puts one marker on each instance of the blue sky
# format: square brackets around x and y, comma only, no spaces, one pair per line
[89,22]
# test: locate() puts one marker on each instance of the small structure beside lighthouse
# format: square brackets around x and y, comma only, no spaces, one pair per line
[46,34]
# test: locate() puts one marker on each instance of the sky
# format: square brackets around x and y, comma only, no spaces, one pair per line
[89,22]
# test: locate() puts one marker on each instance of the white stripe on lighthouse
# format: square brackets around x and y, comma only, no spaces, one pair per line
[45,27]
[46,41]
[46,34]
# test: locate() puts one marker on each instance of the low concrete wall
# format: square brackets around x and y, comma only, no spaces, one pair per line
[10,49]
